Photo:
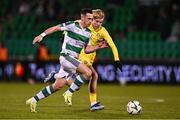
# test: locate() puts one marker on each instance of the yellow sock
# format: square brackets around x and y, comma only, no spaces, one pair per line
[92,97]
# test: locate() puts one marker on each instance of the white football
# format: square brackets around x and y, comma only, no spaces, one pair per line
[134,107]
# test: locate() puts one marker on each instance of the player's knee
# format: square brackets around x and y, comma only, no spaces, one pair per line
[88,74]
[95,76]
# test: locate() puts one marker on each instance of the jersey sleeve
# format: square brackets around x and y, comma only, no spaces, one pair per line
[110,42]
[66,26]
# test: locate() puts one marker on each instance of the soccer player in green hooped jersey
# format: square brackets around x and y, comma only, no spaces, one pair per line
[99,34]
[77,36]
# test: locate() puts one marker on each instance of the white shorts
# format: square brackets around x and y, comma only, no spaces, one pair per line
[69,66]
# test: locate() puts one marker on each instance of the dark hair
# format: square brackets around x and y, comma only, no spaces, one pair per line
[84,11]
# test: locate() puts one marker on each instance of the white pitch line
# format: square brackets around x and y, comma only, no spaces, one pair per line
[159,100]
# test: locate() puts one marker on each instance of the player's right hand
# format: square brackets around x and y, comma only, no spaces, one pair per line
[118,64]
[37,39]
[103,44]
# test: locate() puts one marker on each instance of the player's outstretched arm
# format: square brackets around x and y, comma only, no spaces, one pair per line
[48,31]
[108,39]
[118,63]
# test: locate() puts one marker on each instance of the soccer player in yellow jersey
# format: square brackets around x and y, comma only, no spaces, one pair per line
[99,34]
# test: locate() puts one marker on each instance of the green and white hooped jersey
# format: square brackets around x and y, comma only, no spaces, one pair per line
[75,38]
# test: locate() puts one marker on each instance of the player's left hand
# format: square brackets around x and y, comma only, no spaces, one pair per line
[118,64]
[103,44]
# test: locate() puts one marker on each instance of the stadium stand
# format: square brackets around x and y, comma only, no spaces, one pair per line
[19,29]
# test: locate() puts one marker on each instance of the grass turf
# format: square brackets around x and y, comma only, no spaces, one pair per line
[158,102]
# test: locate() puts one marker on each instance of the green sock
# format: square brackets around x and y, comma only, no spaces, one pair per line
[76,85]
[45,92]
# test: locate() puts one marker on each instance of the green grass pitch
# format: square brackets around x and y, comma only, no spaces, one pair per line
[158,102]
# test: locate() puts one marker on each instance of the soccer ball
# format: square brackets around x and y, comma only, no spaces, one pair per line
[134,107]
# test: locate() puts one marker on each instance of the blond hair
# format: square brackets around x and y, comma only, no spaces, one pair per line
[98,14]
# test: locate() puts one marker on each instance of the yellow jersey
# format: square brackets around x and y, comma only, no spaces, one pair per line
[97,36]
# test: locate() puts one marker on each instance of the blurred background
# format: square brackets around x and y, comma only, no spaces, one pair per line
[146,33]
